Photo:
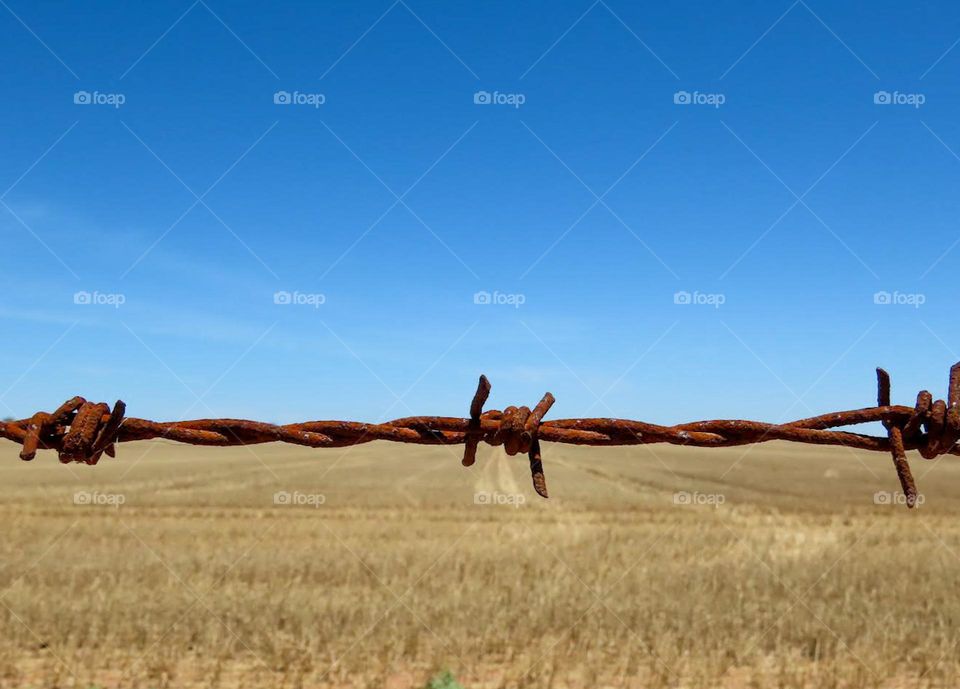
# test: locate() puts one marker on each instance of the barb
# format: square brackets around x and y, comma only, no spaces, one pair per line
[82,431]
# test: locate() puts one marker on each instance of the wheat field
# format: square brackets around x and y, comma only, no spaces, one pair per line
[385,565]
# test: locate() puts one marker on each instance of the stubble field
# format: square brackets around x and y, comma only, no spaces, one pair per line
[385,566]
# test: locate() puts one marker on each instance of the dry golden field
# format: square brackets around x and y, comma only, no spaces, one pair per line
[782,573]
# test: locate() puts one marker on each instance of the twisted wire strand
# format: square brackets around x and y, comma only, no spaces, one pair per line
[82,431]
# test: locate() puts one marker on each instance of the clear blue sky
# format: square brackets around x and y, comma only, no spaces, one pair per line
[596,199]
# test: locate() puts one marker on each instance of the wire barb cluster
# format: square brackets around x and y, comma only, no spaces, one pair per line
[82,431]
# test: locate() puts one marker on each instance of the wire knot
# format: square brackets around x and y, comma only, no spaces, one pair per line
[79,430]
[516,428]
[933,427]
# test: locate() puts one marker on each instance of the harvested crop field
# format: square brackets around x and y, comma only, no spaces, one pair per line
[386,565]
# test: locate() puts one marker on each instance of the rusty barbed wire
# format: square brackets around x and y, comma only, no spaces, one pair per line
[82,431]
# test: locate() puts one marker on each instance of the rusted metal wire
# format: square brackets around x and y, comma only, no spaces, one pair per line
[82,431]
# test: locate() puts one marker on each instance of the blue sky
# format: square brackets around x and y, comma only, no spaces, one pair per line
[782,199]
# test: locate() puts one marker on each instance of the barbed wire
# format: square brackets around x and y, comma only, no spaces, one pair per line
[82,431]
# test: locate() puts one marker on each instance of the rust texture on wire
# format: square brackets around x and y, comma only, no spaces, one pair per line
[82,431]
